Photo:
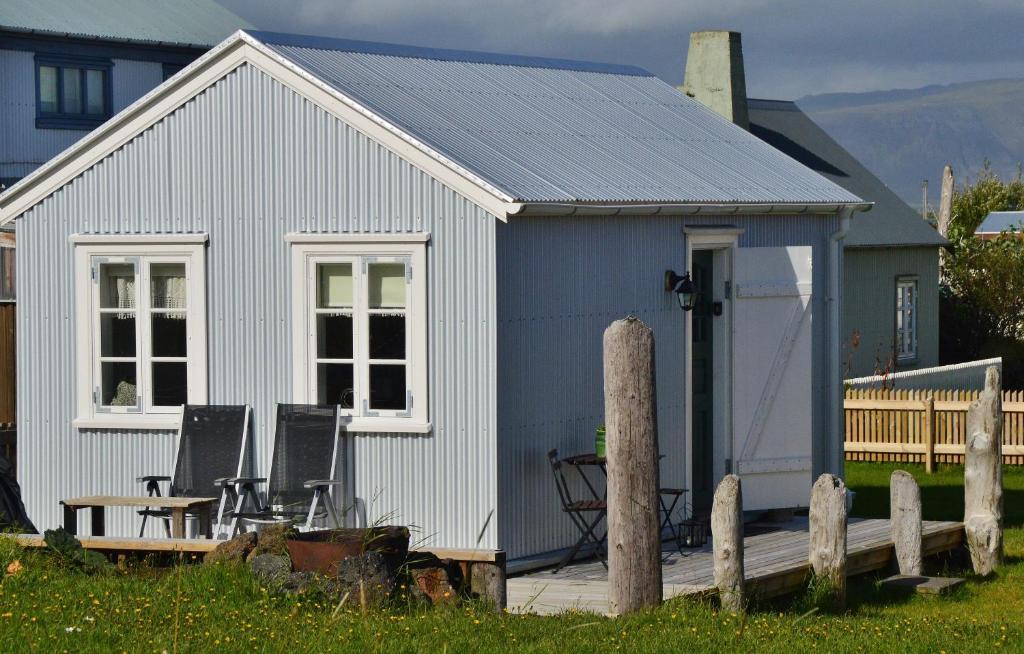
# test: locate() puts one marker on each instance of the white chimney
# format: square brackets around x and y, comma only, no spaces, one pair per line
[714,74]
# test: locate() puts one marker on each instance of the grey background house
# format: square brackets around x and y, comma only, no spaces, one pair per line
[503,210]
[891,265]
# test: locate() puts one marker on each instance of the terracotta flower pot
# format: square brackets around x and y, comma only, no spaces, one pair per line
[320,551]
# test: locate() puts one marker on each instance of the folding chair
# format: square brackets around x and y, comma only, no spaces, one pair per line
[307,443]
[213,443]
[580,512]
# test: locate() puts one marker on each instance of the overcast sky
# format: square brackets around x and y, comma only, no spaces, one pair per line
[792,47]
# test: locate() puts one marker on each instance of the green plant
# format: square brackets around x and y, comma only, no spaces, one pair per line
[69,549]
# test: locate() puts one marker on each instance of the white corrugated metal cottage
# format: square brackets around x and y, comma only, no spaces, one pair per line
[436,240]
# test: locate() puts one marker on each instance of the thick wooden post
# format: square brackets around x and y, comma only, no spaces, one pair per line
[928,427]
[487,581]
[828,535]
[727,541]
[634,539]
[983,477]
[905,521]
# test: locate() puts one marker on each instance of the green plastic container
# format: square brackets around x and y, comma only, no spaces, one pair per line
[599,442]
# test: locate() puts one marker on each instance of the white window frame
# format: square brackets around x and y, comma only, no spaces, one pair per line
[905,282]
[143,250]
[310,250]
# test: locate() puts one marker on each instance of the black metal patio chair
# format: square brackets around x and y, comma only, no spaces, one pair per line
[585,514]
[307,449]
[213,443]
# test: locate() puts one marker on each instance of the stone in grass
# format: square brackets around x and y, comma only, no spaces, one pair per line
[433,584]
[371,571]
[921,584]
[273,540]
[298,583]
[235,549]
[271,569]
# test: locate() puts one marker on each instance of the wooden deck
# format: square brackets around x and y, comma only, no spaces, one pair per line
[775,564]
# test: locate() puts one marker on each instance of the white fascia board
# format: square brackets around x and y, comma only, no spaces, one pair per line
[344,237]
[122,128]
[466,183]
[239,49]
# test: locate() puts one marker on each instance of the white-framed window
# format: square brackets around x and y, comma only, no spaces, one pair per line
[906,318]
[359,315]
[141,328]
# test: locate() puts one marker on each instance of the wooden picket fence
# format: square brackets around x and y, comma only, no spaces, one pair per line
[922,425]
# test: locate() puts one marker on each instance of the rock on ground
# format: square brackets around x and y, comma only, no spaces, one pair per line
[371,571]
[235,549]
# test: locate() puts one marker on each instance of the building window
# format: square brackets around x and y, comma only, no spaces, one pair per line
[7,292]
[906,319]
[72,93]
[360,316]
[142,326]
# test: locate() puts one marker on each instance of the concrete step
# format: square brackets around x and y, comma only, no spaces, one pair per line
[923,585]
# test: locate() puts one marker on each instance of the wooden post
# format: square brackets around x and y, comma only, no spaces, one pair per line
[928,427]
[828,535]
[487,581]
[905,521]
[727,541]
[983,477]
[634,539]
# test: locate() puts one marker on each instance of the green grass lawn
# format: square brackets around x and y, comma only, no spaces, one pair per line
[47,607]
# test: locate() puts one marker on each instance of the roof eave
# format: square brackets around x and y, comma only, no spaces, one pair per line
[679,208]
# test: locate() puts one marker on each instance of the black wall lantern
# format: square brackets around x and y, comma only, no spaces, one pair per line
[683,287]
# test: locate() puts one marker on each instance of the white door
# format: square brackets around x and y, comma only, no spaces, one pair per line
[772,392]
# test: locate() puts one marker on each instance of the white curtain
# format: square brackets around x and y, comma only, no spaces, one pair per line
[169,293]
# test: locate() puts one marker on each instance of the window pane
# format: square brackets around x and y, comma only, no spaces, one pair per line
[170,383]
[335,384]
[167,285]
[117,285]
[334,282]
[118,387]
[387,387]
[387,336]
[334,336]
[387,285]
[48,89]
[117,335]
[72,90]
[170,338]
[94,92]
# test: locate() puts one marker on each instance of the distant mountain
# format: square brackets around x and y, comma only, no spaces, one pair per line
[906,136]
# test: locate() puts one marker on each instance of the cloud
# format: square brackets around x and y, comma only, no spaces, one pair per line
[792,47]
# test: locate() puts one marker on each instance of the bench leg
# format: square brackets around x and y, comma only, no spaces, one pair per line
[205,522]
[71,520]
[98,525]
[178,523]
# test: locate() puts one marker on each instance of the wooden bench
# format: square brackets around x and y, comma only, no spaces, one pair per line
[178,507]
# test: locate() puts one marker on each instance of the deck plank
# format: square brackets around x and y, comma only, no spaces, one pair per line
[775,563]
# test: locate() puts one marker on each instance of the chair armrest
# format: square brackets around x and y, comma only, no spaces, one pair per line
[149,478]
[314,483]
[242,480]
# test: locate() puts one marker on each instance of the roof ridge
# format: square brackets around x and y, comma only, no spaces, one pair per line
[442,54]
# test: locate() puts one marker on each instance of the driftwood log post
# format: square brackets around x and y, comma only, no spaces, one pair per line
[828,535]
[983,477]
[487,581]
[634,539]
[727,541]
[905,521]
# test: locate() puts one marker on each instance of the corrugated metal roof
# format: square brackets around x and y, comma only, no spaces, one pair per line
[1001,221]
[182,22]
[549,130]
[890,222]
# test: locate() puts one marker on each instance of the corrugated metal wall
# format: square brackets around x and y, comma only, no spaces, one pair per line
[561,282]
[248,161]
[23,148]
[870,306]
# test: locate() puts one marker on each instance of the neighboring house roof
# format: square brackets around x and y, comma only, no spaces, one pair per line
[1001,221]
[889,223]
[180,22]
[513,133]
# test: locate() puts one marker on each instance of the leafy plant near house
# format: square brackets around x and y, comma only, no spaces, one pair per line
[982,300]
[69,549]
